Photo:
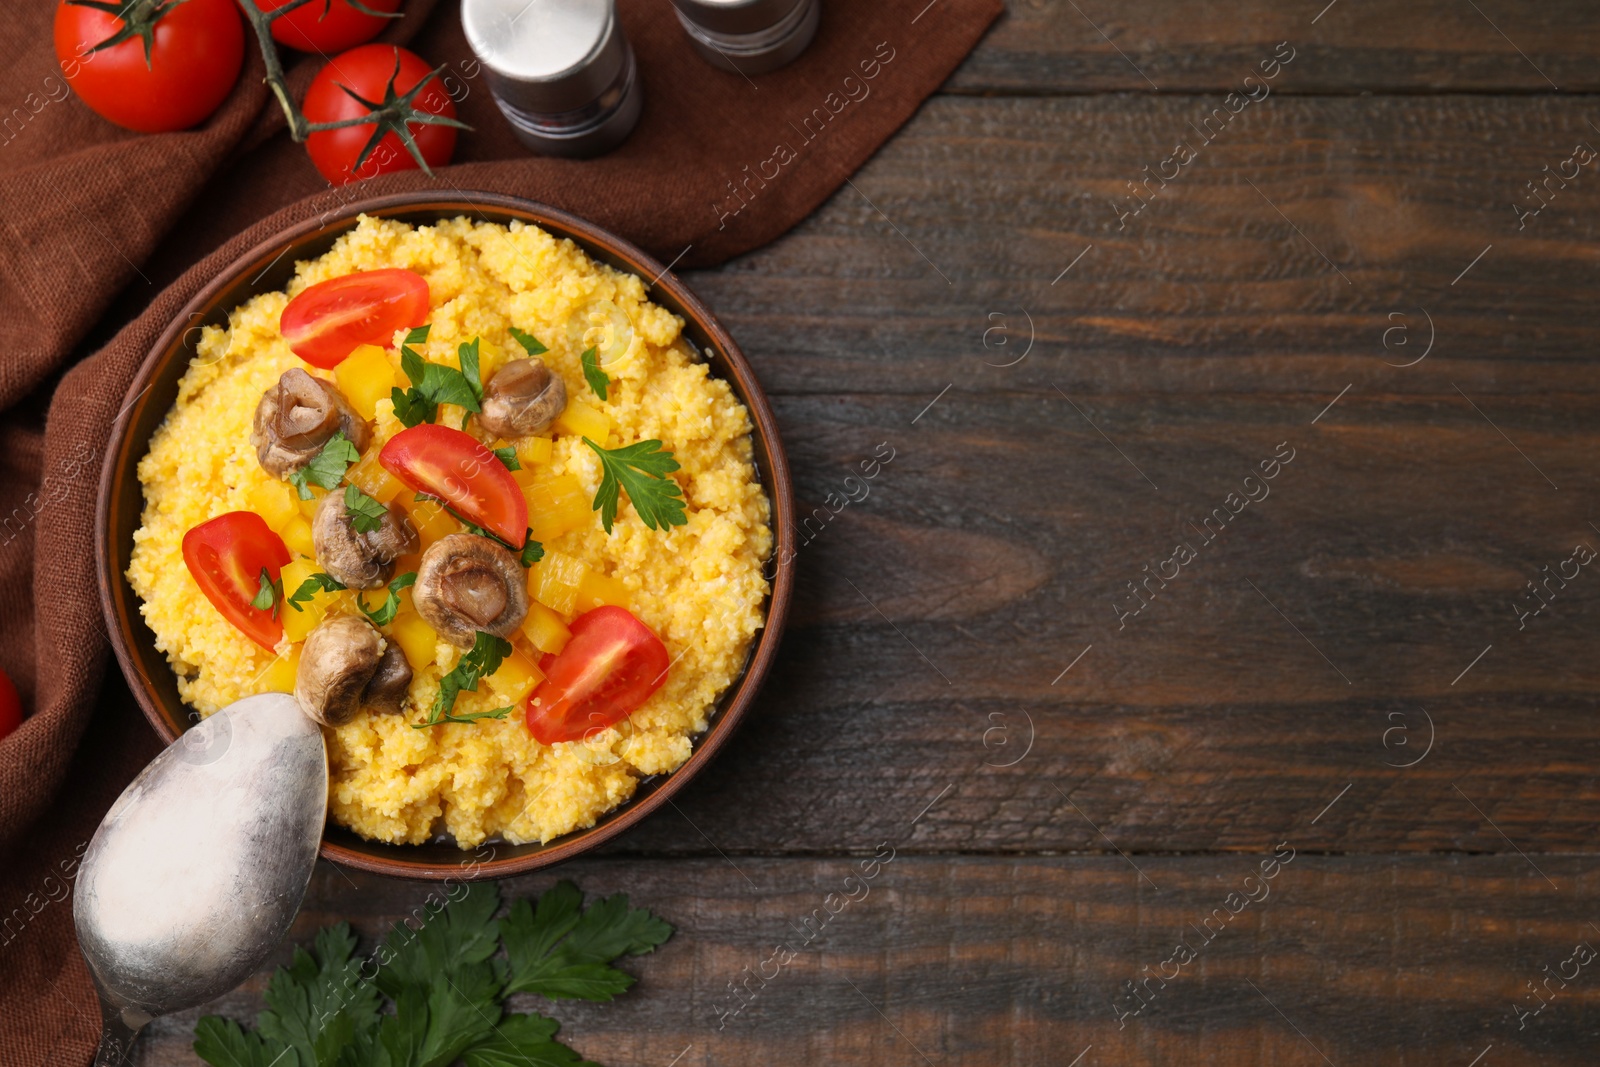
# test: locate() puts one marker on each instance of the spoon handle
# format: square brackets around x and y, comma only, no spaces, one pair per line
[116,1037]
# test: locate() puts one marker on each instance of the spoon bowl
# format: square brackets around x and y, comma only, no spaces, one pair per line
[198,869]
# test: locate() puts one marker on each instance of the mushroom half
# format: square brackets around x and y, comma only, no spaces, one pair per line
[346,664]
[361,560]
[524,397]
[468,583]
[296,417]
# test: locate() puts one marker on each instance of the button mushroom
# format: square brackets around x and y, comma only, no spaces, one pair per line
[345,664]
[468,583]
[523,398]
[390,682]
[360,560]
[296,417]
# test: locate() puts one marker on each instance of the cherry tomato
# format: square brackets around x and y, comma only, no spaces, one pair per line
[226,555]
[327,321]
[196,53]
[609,668]
[328,25]
[366,71]
[10,705]
[456,468]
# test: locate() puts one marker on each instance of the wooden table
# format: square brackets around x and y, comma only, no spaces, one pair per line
[1345,667]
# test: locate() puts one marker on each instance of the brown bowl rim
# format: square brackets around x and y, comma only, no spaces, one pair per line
[735,366]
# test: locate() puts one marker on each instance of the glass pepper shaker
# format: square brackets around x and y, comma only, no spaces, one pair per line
[561,71]
[749,36]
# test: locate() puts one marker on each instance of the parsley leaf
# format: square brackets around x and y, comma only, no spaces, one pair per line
[561,952]
[488,652]
[433,384]
[327,467]
[598,379]
[448,987]
[384,614]
[269,595]
[318,1005]
[508,456]
[366,514]
[532,551]
[530,344]
[642,470]
[319,582]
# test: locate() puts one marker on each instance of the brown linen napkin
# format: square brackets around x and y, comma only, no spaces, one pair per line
[720,164]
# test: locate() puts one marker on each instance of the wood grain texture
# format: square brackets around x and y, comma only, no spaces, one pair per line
[1073,46]
[1000,961]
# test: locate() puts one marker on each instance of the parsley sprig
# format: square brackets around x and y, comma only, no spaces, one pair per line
[270,594]
[433,384]
[366,514]
[642,470]
[598,379]
[384,613]
[530,344]
[327,467]
[488,652]
[317,583]
[448,984]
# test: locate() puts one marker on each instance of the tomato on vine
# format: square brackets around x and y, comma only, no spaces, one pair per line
[151,65]
[328,26]
[409,117]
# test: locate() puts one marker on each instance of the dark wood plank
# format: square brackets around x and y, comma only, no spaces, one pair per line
[1211,288]
[996,961]
[1070,46]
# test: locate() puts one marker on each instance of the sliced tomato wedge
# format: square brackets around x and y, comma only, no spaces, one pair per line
[609,668]
[455,467]
[326,322]
[226,555]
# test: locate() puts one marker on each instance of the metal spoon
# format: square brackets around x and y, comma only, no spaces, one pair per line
[200,866]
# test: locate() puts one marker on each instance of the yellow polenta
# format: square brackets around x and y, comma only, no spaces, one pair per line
[700,587]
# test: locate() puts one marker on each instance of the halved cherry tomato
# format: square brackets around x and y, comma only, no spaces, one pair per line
[10,705]
[456,468]
[226,555]
[326,322]
[609,668]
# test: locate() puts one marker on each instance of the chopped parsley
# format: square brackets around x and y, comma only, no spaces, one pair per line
[508,456]
[598,379]
[532,551]
[530,344]
[642,470]
[384,614]
[366,514]
[270,594]
[488,652]
[317,583]
[433,384]
[327,467]
[436,992]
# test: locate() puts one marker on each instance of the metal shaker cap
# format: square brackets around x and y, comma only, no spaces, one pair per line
[546,55]
[737,16]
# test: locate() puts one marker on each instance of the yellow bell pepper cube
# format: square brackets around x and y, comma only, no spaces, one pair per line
[581,420]
[555,580]
[297,535]
[369,476]
[534,451]
[274,502]
[517,677]
[297,624]
[308,508]
[279,675]
[557,503]
[430,518]
[365,377]
[595,589]
[544,629]
[416,639]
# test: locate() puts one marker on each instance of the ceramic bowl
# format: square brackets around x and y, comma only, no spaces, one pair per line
[269,266]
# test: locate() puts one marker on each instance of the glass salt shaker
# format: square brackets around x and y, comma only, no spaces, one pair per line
[749,36]
[561,71]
